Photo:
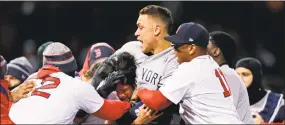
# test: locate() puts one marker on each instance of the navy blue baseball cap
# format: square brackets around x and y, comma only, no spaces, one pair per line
[190,33]
[99,51]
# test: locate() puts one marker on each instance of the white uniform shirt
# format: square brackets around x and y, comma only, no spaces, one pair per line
[64,100]
[200,92]
[95,120]
[152,71]
[239,93]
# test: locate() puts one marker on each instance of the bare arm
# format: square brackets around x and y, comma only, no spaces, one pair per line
[146,115]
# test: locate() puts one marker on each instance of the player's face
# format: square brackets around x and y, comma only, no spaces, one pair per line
[13,81]
[145,32]
[124,92]
[184,52]
[245,75]
[181,53]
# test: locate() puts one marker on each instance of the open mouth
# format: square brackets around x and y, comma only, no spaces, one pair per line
[139,40]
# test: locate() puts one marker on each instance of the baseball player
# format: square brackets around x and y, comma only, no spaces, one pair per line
[125,63]
[222,49]
[154,55]
[7,97]
[18,71]
[95,55]
[58,96]
[198,84]
[5,94]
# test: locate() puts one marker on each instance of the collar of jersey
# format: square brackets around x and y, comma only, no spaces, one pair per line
[47,70]
[158,55]
[203,57]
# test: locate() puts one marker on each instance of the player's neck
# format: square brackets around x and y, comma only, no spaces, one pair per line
[162,45]
[198,52]
[220,61]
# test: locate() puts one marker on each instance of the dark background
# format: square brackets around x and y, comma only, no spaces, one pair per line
[257,26]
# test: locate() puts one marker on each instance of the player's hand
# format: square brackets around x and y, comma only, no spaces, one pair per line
[22,91]
[114,78]
[257,118]
[105,68]
[110,83]
[80,117]
[146,115]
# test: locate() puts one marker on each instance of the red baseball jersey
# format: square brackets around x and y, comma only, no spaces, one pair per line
[5,103]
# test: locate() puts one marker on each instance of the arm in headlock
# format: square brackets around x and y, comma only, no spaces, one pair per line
[153,99]
[112,109]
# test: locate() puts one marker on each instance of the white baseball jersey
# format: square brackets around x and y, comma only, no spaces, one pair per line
[56,100]
[202,92]
[239,93]
[152,71]
[95,120]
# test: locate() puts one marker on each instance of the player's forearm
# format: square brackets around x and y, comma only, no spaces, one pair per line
[112,110]
[153,99]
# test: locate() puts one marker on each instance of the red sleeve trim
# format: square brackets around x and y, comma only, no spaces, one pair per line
[112,109]
[153,99]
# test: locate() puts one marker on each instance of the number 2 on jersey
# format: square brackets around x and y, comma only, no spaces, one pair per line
[223,82]
[55,83]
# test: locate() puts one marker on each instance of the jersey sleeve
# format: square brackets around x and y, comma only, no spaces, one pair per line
[88,98]
[170,68]
[177,86]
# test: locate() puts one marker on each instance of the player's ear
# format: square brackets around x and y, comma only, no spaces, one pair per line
[191,49]
[157,30]
[217,52]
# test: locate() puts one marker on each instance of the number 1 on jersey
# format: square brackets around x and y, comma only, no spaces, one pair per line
[223,82]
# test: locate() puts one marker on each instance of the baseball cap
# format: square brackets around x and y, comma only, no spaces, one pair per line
[99,51]
[59,55]
[40,53]
[96,52]
[190,33]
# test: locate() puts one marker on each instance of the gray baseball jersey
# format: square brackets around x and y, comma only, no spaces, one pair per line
[239,92]
[151,70]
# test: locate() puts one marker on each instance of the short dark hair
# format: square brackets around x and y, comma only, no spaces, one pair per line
[126,63]
[158,11]
[226,43]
